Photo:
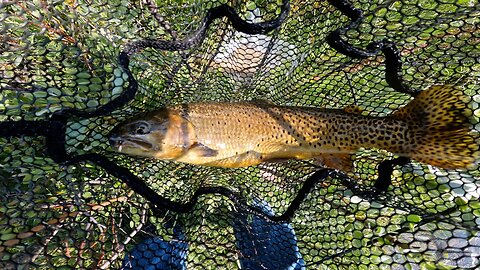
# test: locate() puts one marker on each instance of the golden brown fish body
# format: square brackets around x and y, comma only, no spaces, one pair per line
[244,134]
[432,129]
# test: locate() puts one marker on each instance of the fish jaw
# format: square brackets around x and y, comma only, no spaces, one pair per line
[133,146]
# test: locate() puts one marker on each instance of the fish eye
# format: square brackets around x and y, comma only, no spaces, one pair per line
[141,128]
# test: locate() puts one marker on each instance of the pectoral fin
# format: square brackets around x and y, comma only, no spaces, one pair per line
[342,162]
[201,150]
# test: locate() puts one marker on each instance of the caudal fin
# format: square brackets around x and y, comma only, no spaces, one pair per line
[439,128]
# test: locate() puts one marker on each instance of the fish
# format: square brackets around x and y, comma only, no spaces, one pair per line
[433,128]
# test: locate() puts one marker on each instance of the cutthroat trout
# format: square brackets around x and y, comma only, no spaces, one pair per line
[433,128]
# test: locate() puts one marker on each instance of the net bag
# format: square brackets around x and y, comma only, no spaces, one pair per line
[70,71]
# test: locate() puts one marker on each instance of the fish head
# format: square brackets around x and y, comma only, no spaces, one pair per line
[162,134]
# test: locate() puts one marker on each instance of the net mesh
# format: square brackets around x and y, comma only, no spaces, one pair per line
[71,70]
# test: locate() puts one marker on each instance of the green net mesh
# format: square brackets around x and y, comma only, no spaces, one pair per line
[72,70]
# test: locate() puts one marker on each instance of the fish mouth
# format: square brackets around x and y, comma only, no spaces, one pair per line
[120,143]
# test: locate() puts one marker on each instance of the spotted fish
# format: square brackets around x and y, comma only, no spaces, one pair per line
[433,128]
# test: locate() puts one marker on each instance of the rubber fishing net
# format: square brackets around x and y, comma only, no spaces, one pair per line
[70,71]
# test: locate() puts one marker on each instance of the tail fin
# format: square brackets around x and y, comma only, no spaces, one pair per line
[439,128]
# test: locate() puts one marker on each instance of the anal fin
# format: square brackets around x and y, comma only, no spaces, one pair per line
[342,162]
